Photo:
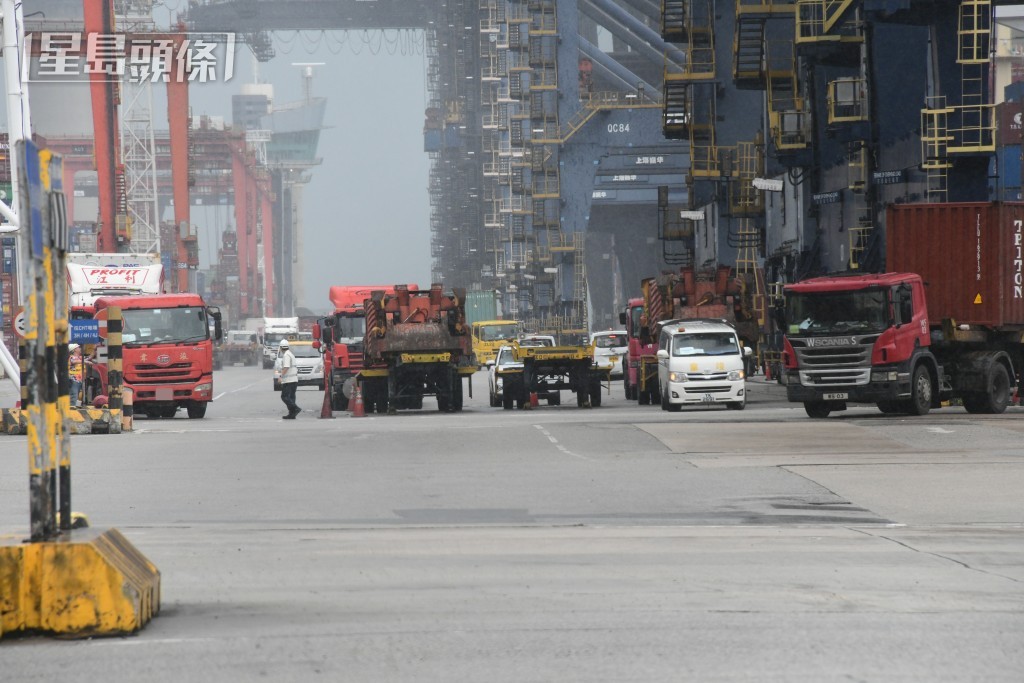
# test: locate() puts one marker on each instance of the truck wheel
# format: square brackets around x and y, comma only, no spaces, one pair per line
[595,396]
[581,398]
[997,395]
[920,401]
[196,411]
[737,405]
[664,400]
[506,399]
[628,389]
[644,396]
[817,409]
[555,398]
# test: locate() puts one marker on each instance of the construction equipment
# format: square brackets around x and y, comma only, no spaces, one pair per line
[417,344]
[340,336]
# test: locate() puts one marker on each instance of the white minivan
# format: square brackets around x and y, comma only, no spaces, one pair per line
[701,362]
[609,349]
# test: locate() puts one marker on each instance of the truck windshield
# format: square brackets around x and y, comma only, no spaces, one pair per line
[496,332]
[164,325]
[346,327]
[822,314]
[705,344]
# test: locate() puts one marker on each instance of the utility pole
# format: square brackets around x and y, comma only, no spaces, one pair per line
[19,127]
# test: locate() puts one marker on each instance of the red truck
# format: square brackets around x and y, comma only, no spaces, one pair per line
[946,323]
[690,294]
[340,338]
[167,351]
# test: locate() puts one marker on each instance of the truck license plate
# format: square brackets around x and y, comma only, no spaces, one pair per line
[841,396]
[164,394]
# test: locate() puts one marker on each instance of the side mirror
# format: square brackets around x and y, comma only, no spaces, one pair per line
[316,332]
[316,344]
[214,312]
[662,354]
[622,318]
[747,352]
[490,363]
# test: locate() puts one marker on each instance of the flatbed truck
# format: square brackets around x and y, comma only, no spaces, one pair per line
[547,370]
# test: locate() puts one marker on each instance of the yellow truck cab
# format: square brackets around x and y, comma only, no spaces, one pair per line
[491,335]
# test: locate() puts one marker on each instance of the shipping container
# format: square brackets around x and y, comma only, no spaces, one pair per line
[1006,165]
[1009,115]
[482,306]
[969,256]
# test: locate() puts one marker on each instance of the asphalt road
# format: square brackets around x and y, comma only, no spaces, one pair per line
[620,543]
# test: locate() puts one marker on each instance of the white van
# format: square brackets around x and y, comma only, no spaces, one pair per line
[609,349]
[701,362]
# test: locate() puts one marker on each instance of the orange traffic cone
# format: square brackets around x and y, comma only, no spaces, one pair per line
[358,409]
[325,409]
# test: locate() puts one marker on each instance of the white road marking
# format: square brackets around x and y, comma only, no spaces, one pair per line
[560,447]
[234,391]
[940,430]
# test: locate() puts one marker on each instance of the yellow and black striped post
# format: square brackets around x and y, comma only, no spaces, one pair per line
[44,423]
[23,367]
[76,582]
[115,369]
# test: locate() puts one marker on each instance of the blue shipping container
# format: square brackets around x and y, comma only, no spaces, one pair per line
[1008,159]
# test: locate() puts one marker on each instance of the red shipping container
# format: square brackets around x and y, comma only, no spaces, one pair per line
[969,256]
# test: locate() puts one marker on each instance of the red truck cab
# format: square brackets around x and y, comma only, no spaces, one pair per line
[167,352]
[859,339]
[640,362]
[340,337]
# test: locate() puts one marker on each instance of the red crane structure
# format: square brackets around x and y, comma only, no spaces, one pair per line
[114,232]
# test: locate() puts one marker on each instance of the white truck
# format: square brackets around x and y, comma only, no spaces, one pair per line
[91,276]
[271,334]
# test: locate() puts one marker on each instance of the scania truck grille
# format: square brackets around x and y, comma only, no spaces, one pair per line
[833,366]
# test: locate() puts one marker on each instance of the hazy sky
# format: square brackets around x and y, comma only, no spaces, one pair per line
[366,209]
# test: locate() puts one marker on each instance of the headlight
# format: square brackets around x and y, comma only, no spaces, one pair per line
[677,377]
[883,376]
[205,386]
[319,367]
[735,375]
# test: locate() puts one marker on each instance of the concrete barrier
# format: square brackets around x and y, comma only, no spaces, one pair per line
[88,583]
[80,420]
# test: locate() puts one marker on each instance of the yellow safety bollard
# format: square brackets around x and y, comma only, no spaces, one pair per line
[127,409]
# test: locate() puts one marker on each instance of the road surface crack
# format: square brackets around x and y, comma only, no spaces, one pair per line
[938,555]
